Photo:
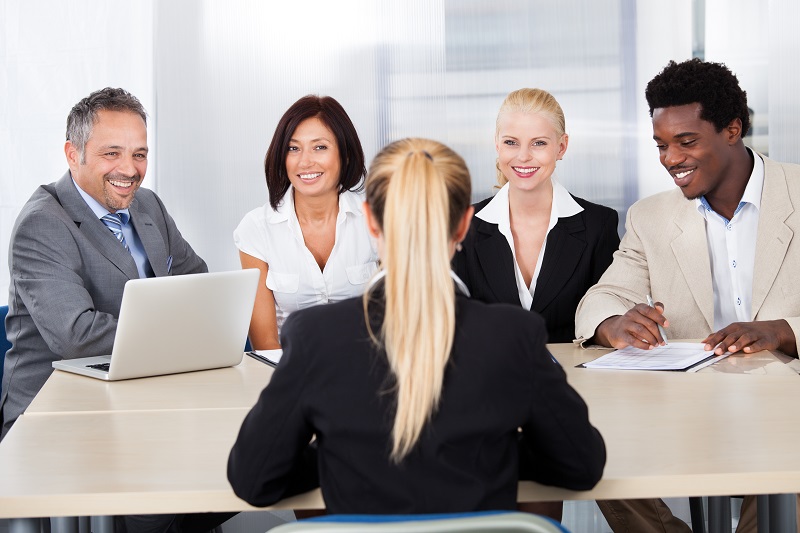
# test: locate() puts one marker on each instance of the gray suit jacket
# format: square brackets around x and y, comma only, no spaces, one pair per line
[67,275]
[664,253]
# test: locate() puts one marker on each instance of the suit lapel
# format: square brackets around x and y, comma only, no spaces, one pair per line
[496,261]
[561,257]
[774,235]
[93,229]
[152,240]
[691,252]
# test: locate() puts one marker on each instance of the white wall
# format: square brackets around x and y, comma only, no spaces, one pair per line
[216,76]
[663,35]
[784,81]
[52,54]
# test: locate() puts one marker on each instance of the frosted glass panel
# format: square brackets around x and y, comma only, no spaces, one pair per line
[225,72]
[784,81]
[52,54]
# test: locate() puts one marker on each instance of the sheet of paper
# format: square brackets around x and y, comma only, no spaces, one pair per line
[271,357]
[673,356]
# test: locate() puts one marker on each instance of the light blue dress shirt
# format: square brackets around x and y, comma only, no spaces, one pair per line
[131,238]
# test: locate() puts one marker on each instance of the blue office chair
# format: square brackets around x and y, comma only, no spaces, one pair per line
[482,522]
[4,344]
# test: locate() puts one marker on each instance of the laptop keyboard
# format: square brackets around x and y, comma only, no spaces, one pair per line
[100,366]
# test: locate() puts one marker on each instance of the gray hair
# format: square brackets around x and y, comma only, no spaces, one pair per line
[83,116]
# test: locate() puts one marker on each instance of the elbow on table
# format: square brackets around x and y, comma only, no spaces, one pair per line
[252,492]
[593,469]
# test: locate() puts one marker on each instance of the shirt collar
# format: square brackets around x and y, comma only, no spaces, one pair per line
[752,192]
[97,208]
[349,203]
[460,285]
[496,211]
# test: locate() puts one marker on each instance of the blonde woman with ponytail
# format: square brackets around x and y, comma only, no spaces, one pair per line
[417,398]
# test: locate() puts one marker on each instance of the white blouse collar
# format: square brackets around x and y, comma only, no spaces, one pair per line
[496,211]
[349,203]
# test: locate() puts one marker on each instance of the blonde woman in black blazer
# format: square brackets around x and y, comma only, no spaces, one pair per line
[561,244]
[421,399]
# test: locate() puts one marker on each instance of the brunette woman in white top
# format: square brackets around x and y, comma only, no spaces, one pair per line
[310,240]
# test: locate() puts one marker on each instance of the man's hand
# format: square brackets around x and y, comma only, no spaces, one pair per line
[751,337]
[638,328]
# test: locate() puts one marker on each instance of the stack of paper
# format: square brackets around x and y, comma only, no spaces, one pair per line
[674,356]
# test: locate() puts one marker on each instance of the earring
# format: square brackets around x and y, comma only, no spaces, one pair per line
[459,247]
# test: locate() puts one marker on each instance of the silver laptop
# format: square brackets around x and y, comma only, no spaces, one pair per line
[176,324]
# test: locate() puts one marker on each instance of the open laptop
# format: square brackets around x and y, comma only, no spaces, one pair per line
[176,324]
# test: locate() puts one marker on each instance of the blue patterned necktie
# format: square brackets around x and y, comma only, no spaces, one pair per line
[114,223]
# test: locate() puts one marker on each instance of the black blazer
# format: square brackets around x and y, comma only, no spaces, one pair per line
[579,249]
[334,383]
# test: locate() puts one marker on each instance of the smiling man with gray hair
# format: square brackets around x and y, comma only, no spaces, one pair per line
[78,240]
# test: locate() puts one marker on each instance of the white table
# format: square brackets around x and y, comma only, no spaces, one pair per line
[160,445]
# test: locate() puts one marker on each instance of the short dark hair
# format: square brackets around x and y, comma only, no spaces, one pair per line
[83,115]
[712,85]
[333,115]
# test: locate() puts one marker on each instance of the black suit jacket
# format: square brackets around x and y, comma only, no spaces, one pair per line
[333,382]
[579,249]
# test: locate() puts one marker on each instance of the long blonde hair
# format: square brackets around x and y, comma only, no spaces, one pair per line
[417,190]
[530,101]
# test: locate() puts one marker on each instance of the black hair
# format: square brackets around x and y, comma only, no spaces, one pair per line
[712,85]
[333,115]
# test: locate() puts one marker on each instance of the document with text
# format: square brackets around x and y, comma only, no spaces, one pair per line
[688,356]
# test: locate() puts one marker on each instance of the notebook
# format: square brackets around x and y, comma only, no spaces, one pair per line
[174,324]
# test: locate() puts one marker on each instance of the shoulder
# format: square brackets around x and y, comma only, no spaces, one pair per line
[352,201]
[323,327]
[149,203]
[483,203]
[595,211]
[501,341]
[477,222]
[147,200]
[257,220]
[259,215]
[504,321]
[790,171]
[42,208]
[659,204]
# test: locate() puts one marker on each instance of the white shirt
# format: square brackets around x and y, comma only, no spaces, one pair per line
[732,251]
[294,277]
[497,212]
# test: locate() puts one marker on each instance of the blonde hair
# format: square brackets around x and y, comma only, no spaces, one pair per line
[418,191]
[530,101]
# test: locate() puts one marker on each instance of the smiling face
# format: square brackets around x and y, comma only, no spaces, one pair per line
[114,161]
[528,147]
[696,155]
[312,159]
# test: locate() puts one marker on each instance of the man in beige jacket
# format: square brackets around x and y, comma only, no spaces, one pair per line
[716,253]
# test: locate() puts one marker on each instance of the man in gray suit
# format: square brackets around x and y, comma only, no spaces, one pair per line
[78,240]
[717,250]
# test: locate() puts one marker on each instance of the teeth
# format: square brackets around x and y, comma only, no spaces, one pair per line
[526,170]
[310,176]
[681,175]
[125,184]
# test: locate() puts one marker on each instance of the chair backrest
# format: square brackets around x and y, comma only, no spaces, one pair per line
[4,344]
[483,522]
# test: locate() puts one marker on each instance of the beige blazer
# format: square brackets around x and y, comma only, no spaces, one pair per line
[664,253]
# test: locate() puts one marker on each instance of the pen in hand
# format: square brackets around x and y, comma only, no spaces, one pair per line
[660,327]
